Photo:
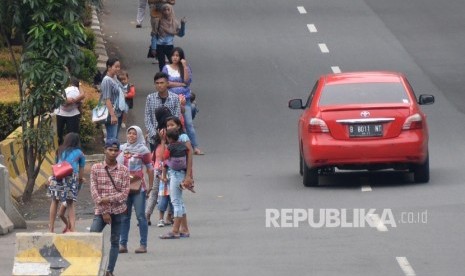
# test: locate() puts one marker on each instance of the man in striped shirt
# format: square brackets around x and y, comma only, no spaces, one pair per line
[109,186]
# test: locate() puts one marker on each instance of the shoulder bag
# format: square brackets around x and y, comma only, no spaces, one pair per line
[135,184]
[112,181]
[100,112]
[62,170]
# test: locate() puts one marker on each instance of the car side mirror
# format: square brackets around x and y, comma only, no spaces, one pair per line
[295,104]
[426,99]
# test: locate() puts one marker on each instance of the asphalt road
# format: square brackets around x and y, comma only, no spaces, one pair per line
[248,59]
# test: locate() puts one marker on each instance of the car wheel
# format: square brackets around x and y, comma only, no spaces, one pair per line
[301,165]
[421,172]
[310,175]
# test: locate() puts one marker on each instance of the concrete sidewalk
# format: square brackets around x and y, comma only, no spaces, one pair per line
[39,221]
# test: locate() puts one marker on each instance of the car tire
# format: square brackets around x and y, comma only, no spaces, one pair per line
[421,172]
[301,165]
[310,175]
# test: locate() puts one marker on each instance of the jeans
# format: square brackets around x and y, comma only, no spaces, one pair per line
[176,177]
[141,11]
[190,130]
[153,198]
[97,226]
[138,200]
[113,130]
[163,202]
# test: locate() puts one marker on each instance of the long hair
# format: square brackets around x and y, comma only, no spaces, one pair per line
[180,52]
[71,141]
[177,121]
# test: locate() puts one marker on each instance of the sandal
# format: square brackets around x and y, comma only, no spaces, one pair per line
[169,236]
[184,235]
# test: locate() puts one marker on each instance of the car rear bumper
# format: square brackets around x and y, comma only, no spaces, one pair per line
[408,148]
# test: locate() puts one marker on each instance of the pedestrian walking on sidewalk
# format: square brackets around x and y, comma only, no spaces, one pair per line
[135,156]
[161,98]
[110,94]
[179,180]
[179,80]
[109,185]
[66,189]
[167,29]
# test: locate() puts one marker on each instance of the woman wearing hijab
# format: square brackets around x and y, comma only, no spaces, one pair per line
[168,27]
[135,156]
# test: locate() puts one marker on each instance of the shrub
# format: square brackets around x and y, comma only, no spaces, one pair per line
[7,112]
[86,14]
[87,65]
[88,131]
[90,39]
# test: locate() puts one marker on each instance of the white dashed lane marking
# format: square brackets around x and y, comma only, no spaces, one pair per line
[323,48]
[312,28]
[366,188]
[405,266]
[337,70]
[301,10]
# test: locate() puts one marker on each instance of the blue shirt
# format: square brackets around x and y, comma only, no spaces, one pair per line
[75,157]
[168,39]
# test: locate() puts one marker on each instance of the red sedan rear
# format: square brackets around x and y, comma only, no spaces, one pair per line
[363,120]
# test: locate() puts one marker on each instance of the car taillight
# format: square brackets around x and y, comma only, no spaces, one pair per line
[413,122]
[317,126]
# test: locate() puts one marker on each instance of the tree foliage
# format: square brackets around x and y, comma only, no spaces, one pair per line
[52,33]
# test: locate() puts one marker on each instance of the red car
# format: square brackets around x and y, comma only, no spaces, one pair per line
[362,121]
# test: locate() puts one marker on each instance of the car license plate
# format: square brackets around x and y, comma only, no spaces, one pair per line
[366,130]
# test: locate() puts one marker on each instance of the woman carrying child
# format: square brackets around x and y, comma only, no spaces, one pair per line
[179,174]
[135,156]
[129,93]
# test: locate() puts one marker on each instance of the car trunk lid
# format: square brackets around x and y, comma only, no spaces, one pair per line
[366,121]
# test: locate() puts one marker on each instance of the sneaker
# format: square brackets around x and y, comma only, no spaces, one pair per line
[139,26]
[123,125]
[161,223]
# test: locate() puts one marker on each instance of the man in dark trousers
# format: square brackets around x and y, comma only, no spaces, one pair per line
[109,186]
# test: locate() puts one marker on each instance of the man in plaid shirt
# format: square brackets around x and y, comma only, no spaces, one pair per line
[109,186]
[159,99]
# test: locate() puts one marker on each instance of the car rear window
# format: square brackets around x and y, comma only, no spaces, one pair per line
[363,93]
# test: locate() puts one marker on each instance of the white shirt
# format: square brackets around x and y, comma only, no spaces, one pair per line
[71,110]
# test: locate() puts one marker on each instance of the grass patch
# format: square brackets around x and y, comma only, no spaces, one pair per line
[7,69]
[9,91]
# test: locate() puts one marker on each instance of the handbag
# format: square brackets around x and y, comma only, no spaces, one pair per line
[62,170]
[99,113]
[150,53]
[135,184]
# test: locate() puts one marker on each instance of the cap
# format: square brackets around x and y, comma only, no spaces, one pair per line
[112,142]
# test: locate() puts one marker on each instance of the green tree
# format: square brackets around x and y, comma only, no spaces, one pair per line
[51,45]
